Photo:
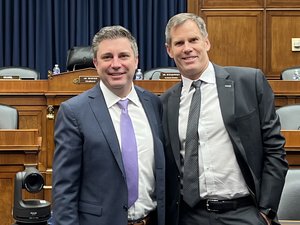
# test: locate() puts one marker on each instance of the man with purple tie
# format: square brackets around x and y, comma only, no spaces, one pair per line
[109,163]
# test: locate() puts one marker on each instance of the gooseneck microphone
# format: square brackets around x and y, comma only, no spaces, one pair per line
[152,75]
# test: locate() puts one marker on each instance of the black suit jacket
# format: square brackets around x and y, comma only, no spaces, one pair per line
[247,107]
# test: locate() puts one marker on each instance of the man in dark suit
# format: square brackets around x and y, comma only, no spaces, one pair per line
[91,182]
[234,172]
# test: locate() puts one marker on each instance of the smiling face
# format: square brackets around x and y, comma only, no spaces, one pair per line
[189,49]
[116,64]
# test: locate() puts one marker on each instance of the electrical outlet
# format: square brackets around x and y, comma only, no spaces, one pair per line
[296,44]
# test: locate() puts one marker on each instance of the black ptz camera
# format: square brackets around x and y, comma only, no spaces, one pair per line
[30,211]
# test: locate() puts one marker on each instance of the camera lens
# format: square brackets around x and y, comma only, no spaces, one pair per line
[33,182]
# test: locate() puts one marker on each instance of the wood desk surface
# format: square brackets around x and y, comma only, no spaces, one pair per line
[77,81]
[289,222]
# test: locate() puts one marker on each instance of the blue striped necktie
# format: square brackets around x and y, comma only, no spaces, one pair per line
[191,193]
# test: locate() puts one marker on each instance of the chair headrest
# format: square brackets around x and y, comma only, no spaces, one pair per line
[23,73]
[290,73]
[79,58]
[9,117]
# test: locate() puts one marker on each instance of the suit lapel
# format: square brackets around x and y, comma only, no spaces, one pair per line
[225,89]
[148,108]
[173,114]
[226,93]
[105,123]
[152,119]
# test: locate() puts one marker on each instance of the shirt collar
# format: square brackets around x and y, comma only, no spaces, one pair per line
[111,99]
[208,76]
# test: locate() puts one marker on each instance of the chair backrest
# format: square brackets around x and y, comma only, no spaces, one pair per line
[154,74]
[9,117]
[289,117]
[289,207]
[289,73]
[23,73]
[79,57]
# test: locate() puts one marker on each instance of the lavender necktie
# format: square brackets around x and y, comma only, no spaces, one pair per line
[129,152]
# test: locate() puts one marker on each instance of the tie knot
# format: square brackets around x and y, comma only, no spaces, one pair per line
[196,83]
[123,104]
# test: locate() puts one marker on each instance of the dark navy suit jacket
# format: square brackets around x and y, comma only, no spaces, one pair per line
[89,184]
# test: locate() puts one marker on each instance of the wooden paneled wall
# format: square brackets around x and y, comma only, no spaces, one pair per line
[255,33]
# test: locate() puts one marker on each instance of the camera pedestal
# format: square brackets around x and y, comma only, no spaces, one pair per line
[30,211]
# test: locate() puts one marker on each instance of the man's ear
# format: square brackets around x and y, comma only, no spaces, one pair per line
[169,50]
[95,62]
[136,62]
[207,43]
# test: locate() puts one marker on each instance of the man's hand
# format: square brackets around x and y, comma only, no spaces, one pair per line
[269,221]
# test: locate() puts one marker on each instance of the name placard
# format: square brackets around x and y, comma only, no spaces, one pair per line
[168,75]
[89,79]
[10,77]
[86,80]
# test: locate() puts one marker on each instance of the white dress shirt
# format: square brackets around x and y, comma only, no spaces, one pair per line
[220,176]
[146,201]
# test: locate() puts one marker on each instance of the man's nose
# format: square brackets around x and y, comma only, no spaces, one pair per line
[187,47]
[116,62]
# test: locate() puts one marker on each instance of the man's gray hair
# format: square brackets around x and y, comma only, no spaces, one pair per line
[180,19]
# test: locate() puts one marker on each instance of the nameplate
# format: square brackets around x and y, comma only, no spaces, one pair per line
[86,80]
[164,75]
[9,77]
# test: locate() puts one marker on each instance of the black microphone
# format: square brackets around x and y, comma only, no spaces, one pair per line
[84,60]
[156,71]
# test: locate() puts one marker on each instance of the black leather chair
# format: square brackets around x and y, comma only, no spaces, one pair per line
[154,74]
[289,207]
[289,117]
[17,72]
[9,117]
[79,57]
[289,73]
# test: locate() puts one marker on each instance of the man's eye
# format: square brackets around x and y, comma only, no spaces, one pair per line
[178,43]
[105,57]
[124,56]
